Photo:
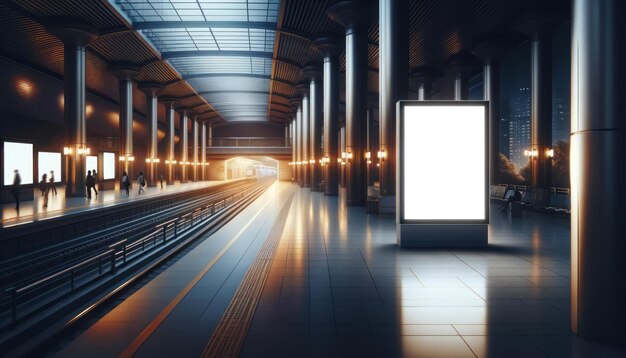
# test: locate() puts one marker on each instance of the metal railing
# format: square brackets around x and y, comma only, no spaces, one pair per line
[66,228]
[271,142]
[29,299]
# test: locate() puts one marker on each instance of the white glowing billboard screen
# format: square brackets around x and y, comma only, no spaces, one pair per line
[18,156]
[108,165]
[92,164]
[444,162]
[48,162]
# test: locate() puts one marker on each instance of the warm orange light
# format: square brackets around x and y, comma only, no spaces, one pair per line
[114,118]
[24,88]
[88,109]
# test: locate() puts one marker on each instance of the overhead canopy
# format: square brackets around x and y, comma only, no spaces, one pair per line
[223,48]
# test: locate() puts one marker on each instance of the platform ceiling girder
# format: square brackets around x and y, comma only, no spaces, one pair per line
[206,38]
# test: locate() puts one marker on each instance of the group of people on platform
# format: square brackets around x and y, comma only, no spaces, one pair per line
[90,182]
[46,186]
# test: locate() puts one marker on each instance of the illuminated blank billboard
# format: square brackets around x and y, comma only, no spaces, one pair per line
[48,162]
[443,162]
[92,164]
[18,156]
[108,165]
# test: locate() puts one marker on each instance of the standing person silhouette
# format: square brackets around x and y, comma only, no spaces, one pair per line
[52,185]
[95,180]
[126,183]
[44,180]
[161,178]
[17,180]
[89,183]
[142,182]
[43,183]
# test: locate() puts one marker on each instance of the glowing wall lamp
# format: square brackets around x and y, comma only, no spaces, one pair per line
[551,153]
[531,153]
[79,151]
[170,162]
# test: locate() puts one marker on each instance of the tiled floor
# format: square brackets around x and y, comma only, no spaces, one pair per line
[339,286]
[58,205]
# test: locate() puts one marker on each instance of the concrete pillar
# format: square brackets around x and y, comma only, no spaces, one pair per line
[423,77]
[210,135]
[352,15]
[462,64]
[184,158]
[342,148]
[313,72]
[293,149]
[329,47]
[598,170]
[297,104]
[125,75]
[489,51]
[170,159]
[75,37]
[393,85]
[152,156]
[303,88]
[194,148]
[537,27]
[203,162]
[372,137]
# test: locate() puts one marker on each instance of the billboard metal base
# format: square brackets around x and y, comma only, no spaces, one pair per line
[442,235]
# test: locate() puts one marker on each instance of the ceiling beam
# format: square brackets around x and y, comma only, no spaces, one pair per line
[211,75]
[234,91]
[216,53]
[205,24]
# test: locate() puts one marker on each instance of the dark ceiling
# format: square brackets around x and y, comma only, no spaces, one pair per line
[437,29]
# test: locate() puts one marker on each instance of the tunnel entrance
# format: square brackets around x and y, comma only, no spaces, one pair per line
[247,167]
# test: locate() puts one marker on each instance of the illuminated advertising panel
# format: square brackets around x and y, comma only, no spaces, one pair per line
[47,162]
[18,156]
[442,165]
[108,165]
[92,164]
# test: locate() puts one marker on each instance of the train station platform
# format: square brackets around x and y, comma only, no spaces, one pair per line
[59,205]
[297,274]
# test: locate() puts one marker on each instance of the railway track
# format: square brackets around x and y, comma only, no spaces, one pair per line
[129,268]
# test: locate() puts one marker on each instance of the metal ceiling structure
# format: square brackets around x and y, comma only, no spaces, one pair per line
[235,60]
[205,38]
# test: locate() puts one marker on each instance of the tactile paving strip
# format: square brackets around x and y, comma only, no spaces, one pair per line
[231,331]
